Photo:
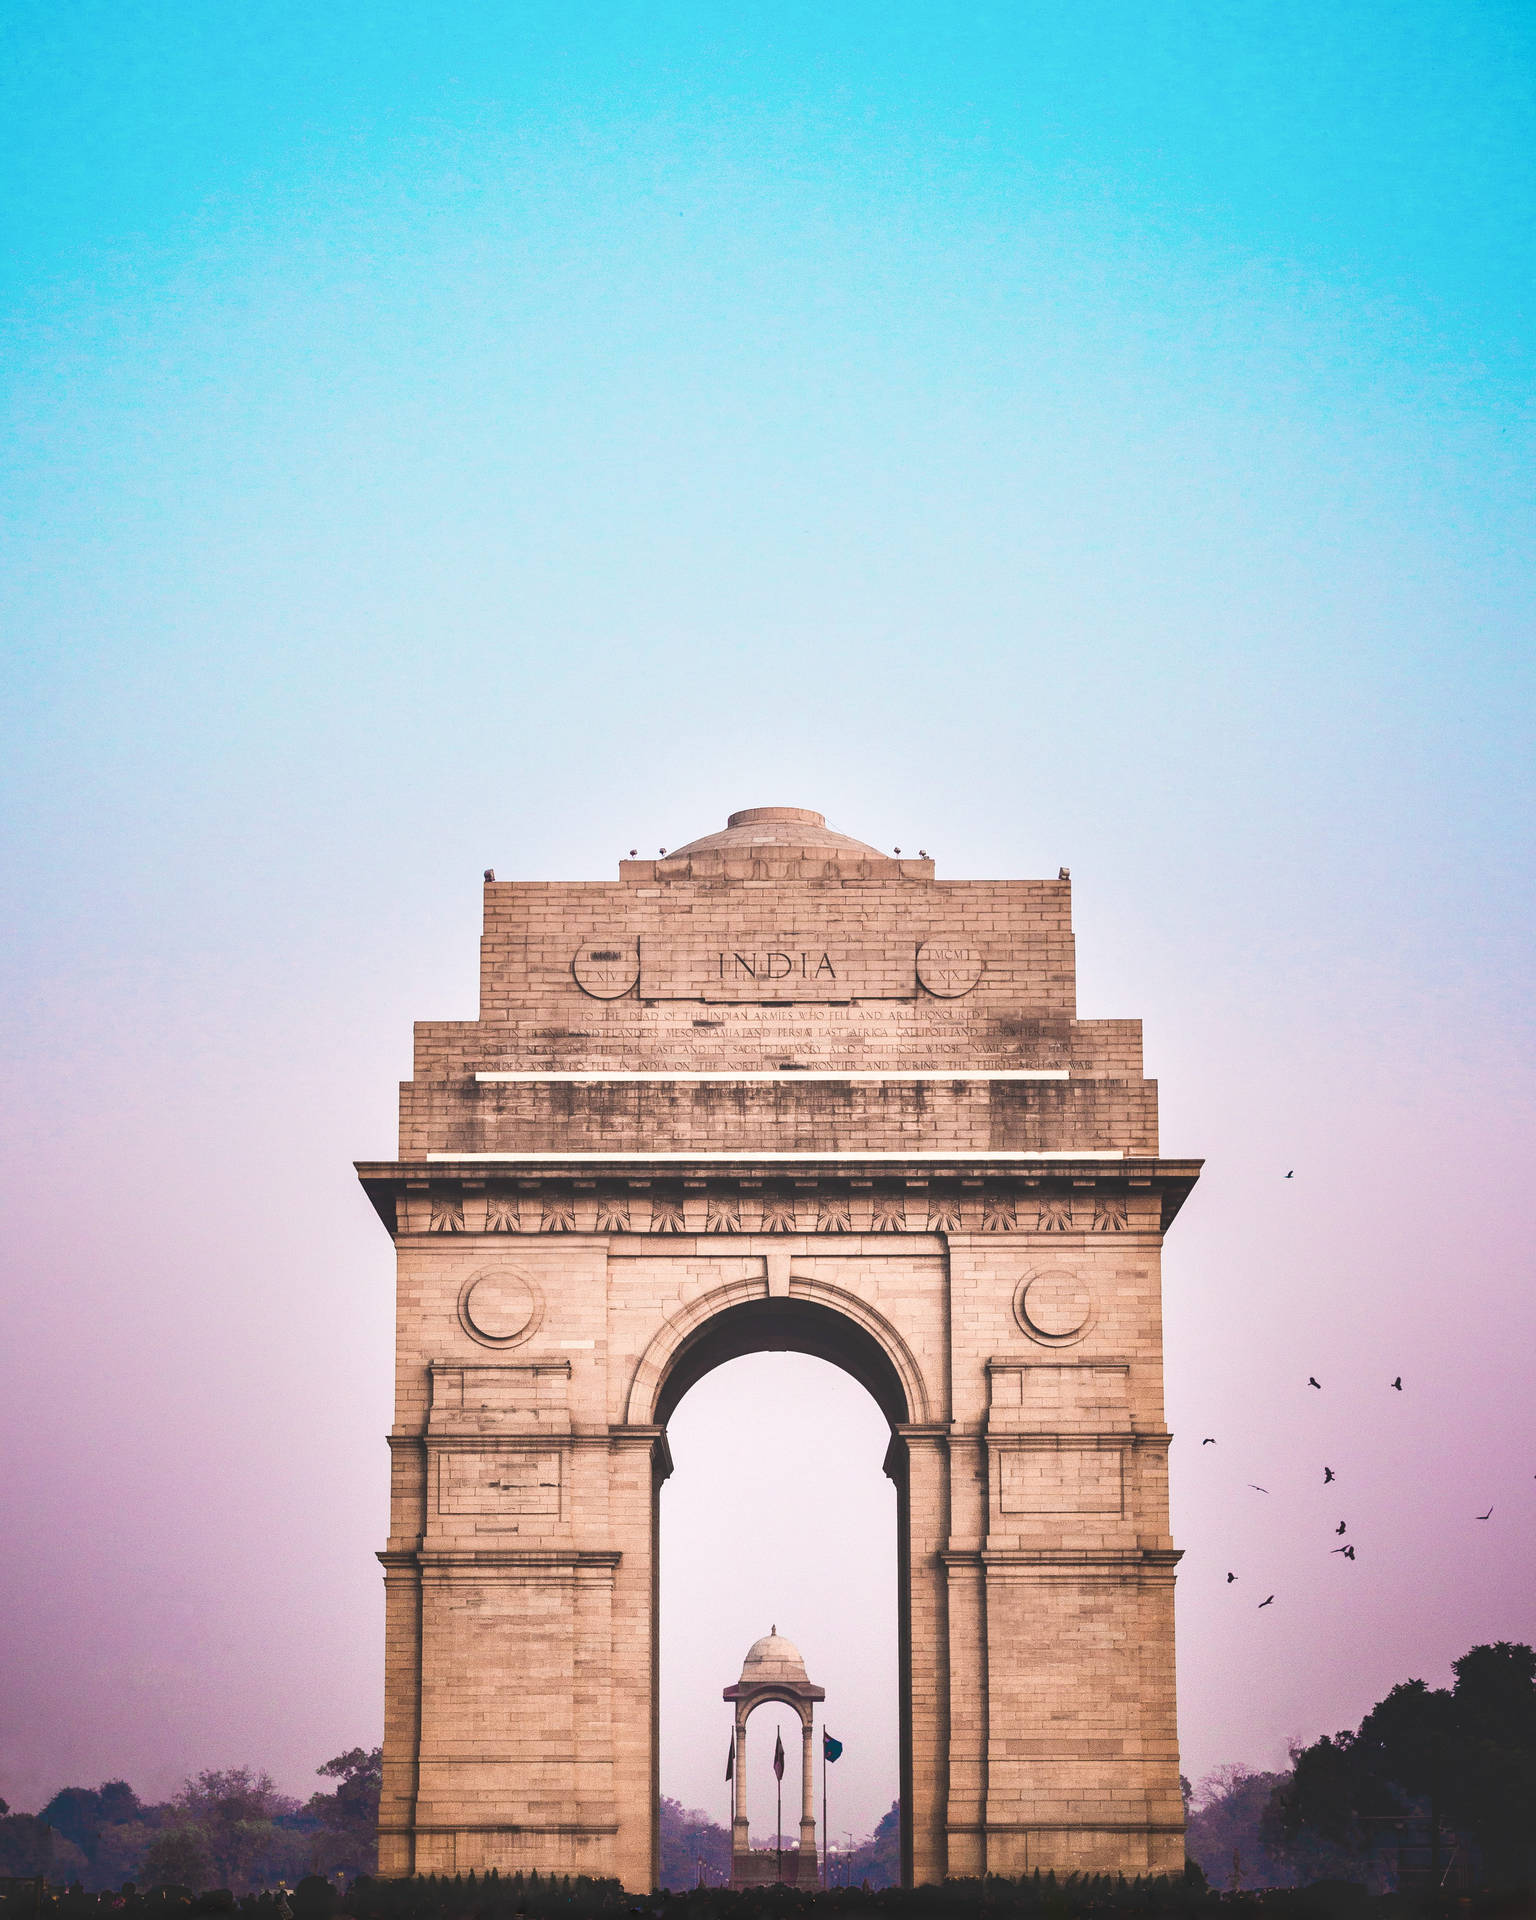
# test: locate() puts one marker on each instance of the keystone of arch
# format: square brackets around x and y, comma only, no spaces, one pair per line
[656,1362]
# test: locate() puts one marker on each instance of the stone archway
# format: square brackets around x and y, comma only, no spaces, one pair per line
[778,1089]
[810,1314]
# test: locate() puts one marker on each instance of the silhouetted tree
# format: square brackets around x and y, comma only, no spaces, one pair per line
[178,1856]
[687,1837]
[1460,1760]
[26,1842]
[347,1820]
[877,1859]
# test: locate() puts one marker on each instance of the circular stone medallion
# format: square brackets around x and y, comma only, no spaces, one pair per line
[948,968]
[498,1308]
[607,969]
[1054,1306]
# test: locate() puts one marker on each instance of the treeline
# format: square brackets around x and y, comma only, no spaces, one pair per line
[516,1897]
[230,1829]
[1434,1791]
[1436,1787]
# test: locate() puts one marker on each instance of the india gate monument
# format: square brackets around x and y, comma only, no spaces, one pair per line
[779,1090]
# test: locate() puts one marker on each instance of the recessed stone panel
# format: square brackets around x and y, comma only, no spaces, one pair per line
[1060,1480]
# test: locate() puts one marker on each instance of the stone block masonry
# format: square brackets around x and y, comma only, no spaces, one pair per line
[777,1090]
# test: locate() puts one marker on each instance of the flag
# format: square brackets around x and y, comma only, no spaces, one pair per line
[830,1749]
[730,1758]
[778,1757]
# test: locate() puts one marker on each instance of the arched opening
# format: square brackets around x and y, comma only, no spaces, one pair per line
[786,1506]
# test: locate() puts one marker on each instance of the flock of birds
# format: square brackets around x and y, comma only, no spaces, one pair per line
[1329,1477]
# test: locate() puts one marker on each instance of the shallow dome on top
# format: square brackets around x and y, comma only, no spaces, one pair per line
[773,1658]
[778,827]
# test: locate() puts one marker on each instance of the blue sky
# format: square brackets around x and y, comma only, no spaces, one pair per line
[453,436]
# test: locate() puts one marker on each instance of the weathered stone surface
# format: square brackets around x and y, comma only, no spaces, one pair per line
[779,1090]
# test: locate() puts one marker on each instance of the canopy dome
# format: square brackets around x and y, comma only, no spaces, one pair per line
[795,827]
[773,1658]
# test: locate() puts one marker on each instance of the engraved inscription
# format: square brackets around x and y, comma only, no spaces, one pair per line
[948,970]
[788,966]
[607,969]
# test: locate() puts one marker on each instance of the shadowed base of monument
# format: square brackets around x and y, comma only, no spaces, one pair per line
[767,1866]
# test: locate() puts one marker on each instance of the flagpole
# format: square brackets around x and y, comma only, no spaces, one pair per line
[779,1841]
[825,1829]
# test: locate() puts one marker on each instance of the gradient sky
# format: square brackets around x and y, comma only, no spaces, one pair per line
[498,435]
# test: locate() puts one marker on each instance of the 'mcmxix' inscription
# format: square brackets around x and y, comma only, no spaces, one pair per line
[791,967]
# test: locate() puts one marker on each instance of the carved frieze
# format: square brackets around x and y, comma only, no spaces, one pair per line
[447,1213]
[731,1203]
[722,1213]
[944,1213]
[998,1213]
[612,1213]
[501,1215]
[778,1213]
[667,1213]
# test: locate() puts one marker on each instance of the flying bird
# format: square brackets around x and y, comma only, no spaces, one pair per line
[1292,1174]
[1266,1603]
[1230,1578]
[1348,1552]
[1257,1488]
[1208,1443]
[1327,1475]
[1340,1528]
[1485,1516]
[1313,1381]
[1398,1383]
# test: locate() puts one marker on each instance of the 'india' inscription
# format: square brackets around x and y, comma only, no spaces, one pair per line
[793,966]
